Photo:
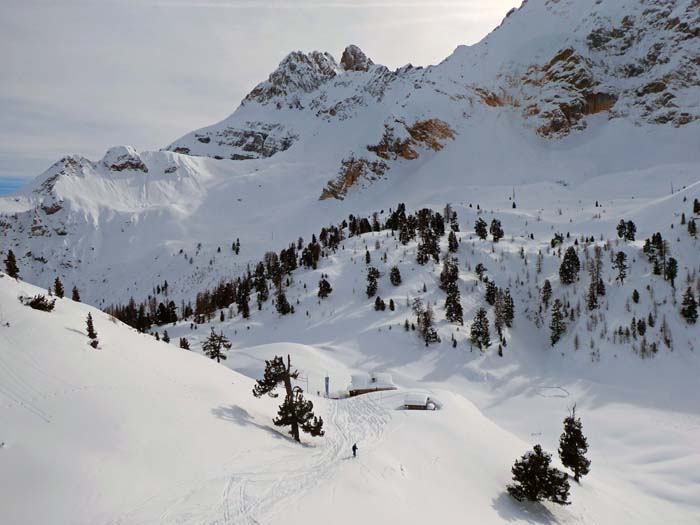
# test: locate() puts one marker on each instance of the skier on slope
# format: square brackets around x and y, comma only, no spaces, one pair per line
[354,450]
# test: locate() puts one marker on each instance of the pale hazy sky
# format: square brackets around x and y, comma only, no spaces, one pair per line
[79,76]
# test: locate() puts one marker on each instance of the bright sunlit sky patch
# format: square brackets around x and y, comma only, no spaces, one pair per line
[81,76]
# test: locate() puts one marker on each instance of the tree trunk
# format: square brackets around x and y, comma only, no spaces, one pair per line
[290,398]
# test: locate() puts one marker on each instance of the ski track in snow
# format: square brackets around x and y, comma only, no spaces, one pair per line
[255,496]
[355,420]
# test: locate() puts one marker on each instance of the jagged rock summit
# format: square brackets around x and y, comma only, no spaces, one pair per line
[354,59]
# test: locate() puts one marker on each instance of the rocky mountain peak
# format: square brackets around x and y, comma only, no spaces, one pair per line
[298,73]
[120,158]
[354,59]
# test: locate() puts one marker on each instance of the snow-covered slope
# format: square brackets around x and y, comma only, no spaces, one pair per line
[143,432]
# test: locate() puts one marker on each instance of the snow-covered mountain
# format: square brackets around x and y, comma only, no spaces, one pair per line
[569,117]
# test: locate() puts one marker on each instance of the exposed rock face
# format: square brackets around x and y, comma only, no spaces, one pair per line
[654,55]
[351,172]
[562,92]
[354,59]
[252,140]
[122,158]
[399,141]
[298,73]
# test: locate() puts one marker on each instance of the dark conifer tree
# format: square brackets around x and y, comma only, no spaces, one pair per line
[508,308]
[453,305]
[535,480]
[424,321]
[242,298]
[620,264]
[58,288]
[557,325]
[573,446]
[11,267]
[215,345]
[166,336]
[372,276]
[324,288]
[498,314]
[75,294]
[281,304]
[479,334]
[452,243]
[592,299]
[671,271]
[570,266]
[696,206]
[692,228]
[490,295]
[689,307]
[630,231]
[546,292]
[428,247]
[622,229]
[450,272]
[600,288]
[184,343]
[295,412]
[635,296]
[395,276]
[368,257]
[480,271]
[496,230]
[91,332]
[480,228]
[260,284]
[641,327]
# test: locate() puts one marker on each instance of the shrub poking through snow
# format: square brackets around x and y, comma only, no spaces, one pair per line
[39,302]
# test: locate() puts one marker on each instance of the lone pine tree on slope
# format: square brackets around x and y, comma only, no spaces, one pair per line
[395,276]
[91,332]
[58,288]
[11,268]
[324,288]
[535,480]
[480,228]
[479,334]
[573,446]
[215,345]
[570,266]
[295,412]
[557,325]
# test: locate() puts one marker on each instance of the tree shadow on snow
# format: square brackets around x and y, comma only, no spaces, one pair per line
[240,416]
[511,510]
